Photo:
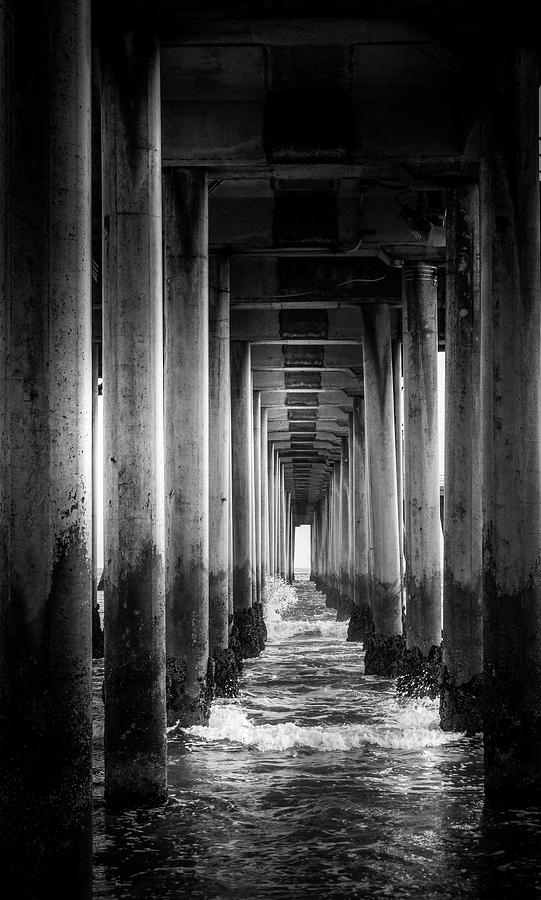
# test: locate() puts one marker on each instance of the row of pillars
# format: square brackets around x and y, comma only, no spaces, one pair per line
[196,511]
[483,594]
[360,532]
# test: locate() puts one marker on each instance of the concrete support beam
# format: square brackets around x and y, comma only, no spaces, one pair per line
[511,379]
[383,652]
[301,327]
[461,695]
[422,493]
[46,449]
[309,358]
[135,748]
[300,399]
[295,282]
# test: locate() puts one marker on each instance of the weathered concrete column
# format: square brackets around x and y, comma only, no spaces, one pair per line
[334,538]
[265,565]
[186,380]
[511,383]
[97,462]
[291,540]
[396,349]
[256,408]
[277,514]
[255,584]
[46,450]
[385,649]
[461,695]
[272,529]
[344,551]
[246,632]
[283,524]
[135,746]
[421,487]
[186,404]
[225,669]
[361,624]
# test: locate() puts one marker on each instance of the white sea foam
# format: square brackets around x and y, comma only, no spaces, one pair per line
[413,729]
[279,629]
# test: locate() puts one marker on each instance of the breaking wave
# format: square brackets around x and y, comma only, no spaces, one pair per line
[416,727]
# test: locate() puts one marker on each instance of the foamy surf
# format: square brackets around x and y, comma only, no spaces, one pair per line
[279,629]
[417,728]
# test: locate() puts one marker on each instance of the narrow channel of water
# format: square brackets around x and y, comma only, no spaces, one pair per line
[317,782]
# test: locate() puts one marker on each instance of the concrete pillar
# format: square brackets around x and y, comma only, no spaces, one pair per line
[283,525]
[135,747]
[291,543]
[46,449]
[511,380]
[421,487]
[361,625]
[230,526]
[265,565]
[334,538]
[344,556]
[241,451]
[255,585]
[277,514]
[384,651]
[461,695]
[225,674]
[396,350]
[186,380]
[272,530]
[257,489]
[97,462]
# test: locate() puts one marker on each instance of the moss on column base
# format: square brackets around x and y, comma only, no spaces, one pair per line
[97,633]
[332,598]
[385,655]
[182,708]
[249,633]
[361,624]
[226,673]
[421,674]
[262,628]
[344,608]
[461,705]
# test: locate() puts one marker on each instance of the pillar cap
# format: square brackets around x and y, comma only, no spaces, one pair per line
[420,271]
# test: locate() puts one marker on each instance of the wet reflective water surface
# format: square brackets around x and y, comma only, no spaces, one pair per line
[317,782]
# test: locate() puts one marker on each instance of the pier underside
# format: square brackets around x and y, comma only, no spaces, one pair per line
[241,233]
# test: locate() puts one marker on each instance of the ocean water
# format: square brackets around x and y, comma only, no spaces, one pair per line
[316,782]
